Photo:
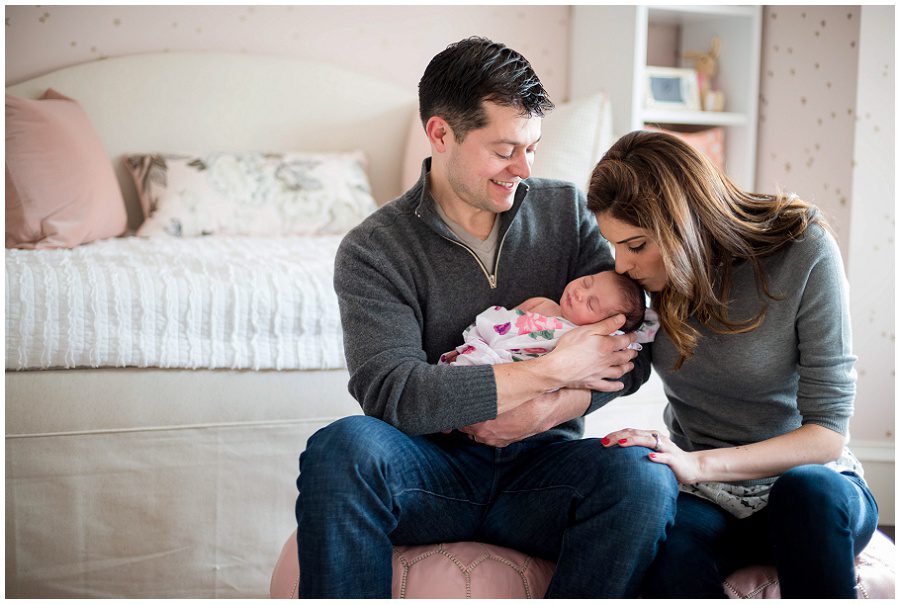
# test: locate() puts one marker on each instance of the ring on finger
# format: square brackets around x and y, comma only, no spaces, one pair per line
[655,438]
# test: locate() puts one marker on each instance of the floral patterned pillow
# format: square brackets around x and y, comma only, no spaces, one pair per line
[262,194]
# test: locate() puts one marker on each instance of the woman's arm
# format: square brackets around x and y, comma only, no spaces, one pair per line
[807,444]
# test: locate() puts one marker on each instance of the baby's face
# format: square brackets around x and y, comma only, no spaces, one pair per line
[592,298]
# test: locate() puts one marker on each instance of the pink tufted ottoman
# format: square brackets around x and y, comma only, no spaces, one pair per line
[477,570]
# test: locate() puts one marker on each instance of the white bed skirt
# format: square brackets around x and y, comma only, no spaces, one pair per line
[156,483]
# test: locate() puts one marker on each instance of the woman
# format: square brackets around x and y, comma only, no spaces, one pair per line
[755,354]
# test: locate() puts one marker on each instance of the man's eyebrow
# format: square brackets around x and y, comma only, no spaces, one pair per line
[506,141]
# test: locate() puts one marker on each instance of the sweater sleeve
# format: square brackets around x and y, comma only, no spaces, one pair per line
[827,379]
[389,373]
[595,256]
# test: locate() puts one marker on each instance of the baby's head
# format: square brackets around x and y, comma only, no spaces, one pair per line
[595,297]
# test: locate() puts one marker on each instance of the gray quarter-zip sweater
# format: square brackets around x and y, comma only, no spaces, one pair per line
[408,287]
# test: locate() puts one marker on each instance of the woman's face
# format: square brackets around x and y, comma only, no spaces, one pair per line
[637,254]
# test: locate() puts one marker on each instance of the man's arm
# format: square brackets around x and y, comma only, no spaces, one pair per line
[546,411]
[532,417]
[390,375]
[585,358]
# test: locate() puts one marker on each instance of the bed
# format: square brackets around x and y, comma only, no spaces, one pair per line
[159,390]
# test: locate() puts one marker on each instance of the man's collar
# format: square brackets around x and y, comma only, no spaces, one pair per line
[427,203]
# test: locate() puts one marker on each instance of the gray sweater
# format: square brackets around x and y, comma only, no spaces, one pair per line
[407,289]
[796,368]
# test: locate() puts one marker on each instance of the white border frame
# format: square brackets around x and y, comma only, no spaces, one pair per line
[690,89]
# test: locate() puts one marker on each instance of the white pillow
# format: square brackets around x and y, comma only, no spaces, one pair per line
[417,149]
[575,136]
[261,194]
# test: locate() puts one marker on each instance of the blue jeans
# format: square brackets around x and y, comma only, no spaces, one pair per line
[365,486]
[814,525]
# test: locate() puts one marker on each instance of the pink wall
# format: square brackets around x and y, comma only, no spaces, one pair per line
[807,114]
[394,43]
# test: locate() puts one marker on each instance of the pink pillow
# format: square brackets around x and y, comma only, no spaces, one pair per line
[61,190]
[709,141]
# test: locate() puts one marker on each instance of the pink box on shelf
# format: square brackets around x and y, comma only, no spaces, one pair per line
[709,141]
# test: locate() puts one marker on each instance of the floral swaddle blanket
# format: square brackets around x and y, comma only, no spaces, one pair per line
[500,335]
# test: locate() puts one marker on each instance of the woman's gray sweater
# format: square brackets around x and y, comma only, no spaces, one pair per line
[795,369]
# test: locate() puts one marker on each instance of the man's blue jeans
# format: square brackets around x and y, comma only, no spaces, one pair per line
[364,486]
[814,525]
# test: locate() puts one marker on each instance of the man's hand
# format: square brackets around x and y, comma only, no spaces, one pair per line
[586,358]
[591,359]
[531,417]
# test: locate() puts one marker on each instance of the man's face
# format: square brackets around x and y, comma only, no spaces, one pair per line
[485,169]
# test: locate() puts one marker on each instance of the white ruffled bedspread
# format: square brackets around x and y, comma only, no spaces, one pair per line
[209,302]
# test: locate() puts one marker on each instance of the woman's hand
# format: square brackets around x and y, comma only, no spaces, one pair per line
[685,465]
[810,443]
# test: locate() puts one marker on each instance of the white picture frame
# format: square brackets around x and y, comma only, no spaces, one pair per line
[671,88]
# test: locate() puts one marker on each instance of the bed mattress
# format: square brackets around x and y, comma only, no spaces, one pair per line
[210,303]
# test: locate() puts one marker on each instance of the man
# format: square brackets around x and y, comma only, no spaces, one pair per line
[487,453]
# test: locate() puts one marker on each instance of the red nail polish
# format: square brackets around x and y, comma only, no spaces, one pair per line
[622,441]
[605,441]
[653,456]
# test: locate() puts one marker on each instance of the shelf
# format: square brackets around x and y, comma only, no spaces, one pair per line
[680,14]
[630,33]
[699,118]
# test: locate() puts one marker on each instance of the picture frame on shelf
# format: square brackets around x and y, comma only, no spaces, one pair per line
[671,88]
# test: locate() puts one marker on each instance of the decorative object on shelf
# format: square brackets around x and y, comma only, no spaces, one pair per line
[671,88]
[709,141]
[706,66]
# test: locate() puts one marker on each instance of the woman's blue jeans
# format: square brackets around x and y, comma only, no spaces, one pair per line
[364,486]
[814,525]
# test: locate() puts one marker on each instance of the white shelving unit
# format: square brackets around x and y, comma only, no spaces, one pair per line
[609,53]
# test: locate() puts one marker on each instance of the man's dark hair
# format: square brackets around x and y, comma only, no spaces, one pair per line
[635,303]
[473,70]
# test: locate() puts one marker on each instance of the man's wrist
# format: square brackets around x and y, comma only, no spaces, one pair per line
[582,401]
[571,403]
[520,382]
[548,372]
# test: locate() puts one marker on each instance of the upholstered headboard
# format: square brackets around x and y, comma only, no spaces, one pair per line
[208,101]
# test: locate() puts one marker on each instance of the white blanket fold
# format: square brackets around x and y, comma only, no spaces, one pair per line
[208,302]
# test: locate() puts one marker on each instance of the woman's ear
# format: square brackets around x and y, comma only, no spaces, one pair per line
[439,133]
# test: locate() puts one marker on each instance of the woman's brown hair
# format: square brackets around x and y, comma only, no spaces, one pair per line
[701,222]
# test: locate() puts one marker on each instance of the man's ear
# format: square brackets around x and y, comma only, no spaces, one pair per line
[439,133]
